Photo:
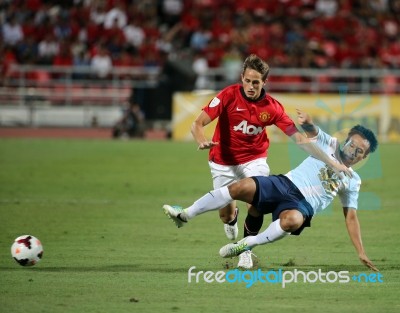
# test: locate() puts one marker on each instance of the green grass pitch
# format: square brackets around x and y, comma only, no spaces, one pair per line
[96,207]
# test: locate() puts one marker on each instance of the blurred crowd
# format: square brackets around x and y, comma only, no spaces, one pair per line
[114,33]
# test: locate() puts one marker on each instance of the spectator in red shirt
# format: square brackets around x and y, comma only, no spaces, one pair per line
[223,25]
[64,56]
[214,52]
[8,58]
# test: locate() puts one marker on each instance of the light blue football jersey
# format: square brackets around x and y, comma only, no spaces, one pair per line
[319,183]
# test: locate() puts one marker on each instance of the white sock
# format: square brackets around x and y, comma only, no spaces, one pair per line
[214,200]
[273,233]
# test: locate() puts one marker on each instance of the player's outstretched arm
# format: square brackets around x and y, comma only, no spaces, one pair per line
[354,230]
[306,123]
[313,149]
[197,130]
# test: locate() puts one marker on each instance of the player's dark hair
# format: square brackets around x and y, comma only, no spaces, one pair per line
[256,63]
[367,134]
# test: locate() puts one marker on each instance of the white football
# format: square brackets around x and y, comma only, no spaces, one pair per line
[27,250]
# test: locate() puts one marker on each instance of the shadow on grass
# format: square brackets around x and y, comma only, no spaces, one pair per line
[115,268]
[213,264]
[335,268]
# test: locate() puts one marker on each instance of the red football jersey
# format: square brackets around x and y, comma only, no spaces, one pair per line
[240,130]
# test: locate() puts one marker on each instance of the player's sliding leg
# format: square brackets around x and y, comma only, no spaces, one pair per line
[242,190]
[214,200]
[289,221]
[252,226]
[173,212]
[253,222]
[211,201]
[273,233]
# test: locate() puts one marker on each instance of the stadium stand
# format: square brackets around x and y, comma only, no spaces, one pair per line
[51,47]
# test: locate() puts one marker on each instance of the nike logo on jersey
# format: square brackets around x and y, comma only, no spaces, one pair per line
[239,109]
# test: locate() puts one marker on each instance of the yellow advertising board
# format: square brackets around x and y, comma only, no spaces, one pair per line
[335,113]
[186,106]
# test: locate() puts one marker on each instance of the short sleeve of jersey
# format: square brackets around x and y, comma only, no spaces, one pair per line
[285,123]
[325,140]
[349,195]
[216,105]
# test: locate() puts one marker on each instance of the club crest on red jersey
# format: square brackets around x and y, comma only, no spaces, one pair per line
[264,116]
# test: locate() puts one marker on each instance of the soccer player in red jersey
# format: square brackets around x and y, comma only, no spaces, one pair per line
[240,142]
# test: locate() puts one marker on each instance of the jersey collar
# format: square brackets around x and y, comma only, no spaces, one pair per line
[262,95]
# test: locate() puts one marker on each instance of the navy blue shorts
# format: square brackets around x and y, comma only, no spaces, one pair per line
[277,193]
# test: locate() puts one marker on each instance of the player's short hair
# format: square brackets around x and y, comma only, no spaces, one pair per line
[254,62]
[367,134]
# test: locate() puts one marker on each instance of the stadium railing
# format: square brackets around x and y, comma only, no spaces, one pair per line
[35,87]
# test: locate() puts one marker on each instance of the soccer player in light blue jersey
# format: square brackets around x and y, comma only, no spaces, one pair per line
[294,198]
